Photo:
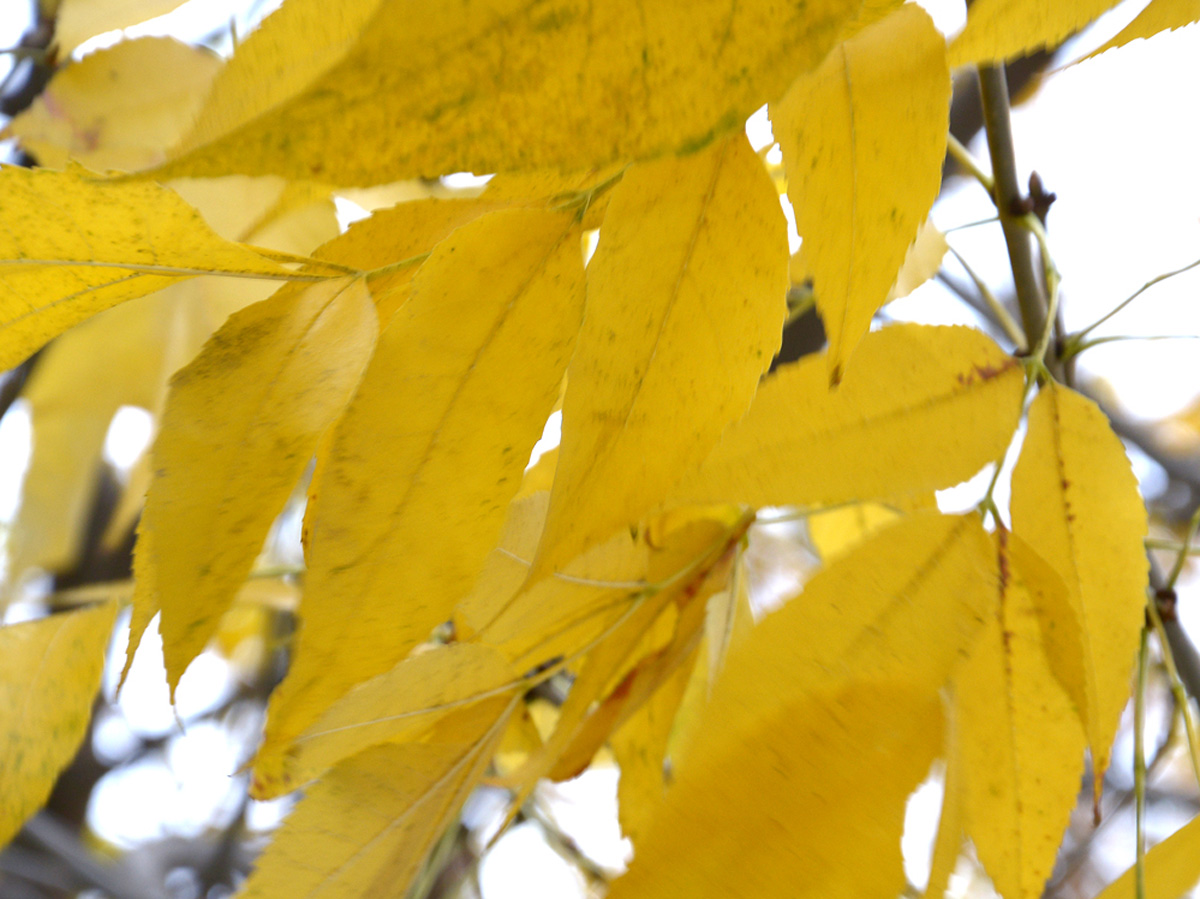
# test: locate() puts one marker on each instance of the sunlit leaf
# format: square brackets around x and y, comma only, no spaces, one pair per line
[921,409]
[1020,741]
[104,111]
[686,300]
[365,829]
[408,89]
[863,139]
[241,424]
[421,466]
[49,674]
[1075,499]
[73,246]
[1172,868]
[78,20]
[998,30]
[1157,17]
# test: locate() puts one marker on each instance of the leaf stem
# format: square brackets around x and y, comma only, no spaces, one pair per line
[1178,691]
[1011,329]
[964,158]
[1078,336]
[393,267]
[1006,194]
[1139,764]
[1184,550]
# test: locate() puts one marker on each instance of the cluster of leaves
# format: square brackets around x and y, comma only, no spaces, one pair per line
[418,356]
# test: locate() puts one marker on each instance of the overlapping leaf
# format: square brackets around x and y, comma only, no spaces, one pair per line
[1172,868]
[1076,500]
[418,473]
[863,139]
[365,829]
[105,113]
[1157,17]
[49,674]
[923,408]
[998,30]
[1019,739]
[409,89]
[241,425]
[78,20]
[72,246]
[686,300]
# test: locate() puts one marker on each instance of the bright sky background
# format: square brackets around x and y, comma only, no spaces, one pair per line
[1116,138]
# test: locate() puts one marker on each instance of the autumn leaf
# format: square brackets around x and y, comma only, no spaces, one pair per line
[1019,739]
[1157,17]
[1172,868]
[365,829]
[49,674]
[863,139]
[750,815]
[422,89]
[998,30]
[104,113]
[78,20]
[74,246]
[922,409]
[686,300]
[1075,499]
[241,424]
[430,450]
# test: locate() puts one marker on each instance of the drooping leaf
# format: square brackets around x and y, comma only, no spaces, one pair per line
[1020,741]
[78,20]
[138,345]
[1075,499]
[1172,868]
[807,800]
[998,30]
[241,424]
[399,702]
[1157,17]
[640,747]
[422,464]
[410,89]
[922,408]
[863,140]
[73,246]
[365,828]
[49,674]
[105,113]
[686,300]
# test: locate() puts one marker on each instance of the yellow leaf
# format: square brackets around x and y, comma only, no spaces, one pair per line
[729,620]
[409,89]
[640,747]
[365,828]
[73,246]
[104,111]
[389,707]
[863,140]
[1075,499]
[998,30]
[686,301]
[430,450]
[240,426]
[49,674]
[1020,741]
[1157,17]
[138,345]
[78,20]
[921,262]
[923,408]
[805,800]
[948,841]
[1172,868]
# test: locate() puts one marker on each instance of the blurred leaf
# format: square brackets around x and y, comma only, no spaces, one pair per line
[106,113]
[1157,17]
[49,676]
[999,30]
[79,20]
